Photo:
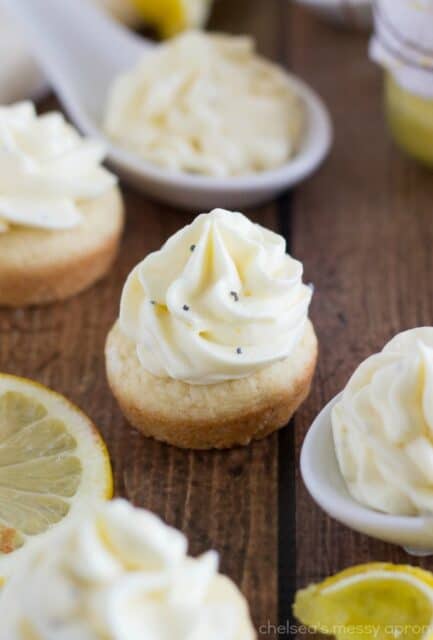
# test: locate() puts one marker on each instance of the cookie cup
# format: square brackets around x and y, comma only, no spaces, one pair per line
[39,266]
[212,416]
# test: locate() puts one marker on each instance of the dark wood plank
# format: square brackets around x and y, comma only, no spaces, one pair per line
[223,500]
[364,230]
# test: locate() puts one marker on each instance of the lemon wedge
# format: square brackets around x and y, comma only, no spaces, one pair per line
[379,601]
[170,17]
[52,462]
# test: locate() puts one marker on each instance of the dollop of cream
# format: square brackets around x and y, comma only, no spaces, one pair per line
[120,574]
[207,104]
[219,301]
[383,427]
[46,170]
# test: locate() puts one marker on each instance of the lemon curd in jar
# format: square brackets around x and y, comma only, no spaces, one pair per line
[410,118]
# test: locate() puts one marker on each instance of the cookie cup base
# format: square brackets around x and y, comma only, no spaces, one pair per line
[39,266]
[216,416]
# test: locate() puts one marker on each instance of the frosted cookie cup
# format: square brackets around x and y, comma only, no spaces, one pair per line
[120,572]
[61,212]
[213,347]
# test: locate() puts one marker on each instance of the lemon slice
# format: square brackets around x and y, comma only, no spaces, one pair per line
[379,601]
[52,462]
[173,16]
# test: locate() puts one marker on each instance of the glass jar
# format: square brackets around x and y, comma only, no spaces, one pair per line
[403,45]
[410,119]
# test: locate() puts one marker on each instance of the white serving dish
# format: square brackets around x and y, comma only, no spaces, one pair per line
[202,192]
[82,80]
[322,477]
[349,13]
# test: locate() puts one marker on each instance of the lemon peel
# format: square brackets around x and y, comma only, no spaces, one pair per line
[376,600]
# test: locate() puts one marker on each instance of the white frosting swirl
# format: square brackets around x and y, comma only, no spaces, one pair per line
[46,170]
[120,574]
[219,301]
[207,104]
[383,427]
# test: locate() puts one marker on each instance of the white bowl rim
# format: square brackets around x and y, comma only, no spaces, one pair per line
[341,505]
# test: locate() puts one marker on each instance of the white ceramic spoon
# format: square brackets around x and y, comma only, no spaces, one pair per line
[322,477]
[20,76]
[82,51]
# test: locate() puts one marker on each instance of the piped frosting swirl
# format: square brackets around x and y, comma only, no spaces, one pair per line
[219,301]
[383,427]
[46,170]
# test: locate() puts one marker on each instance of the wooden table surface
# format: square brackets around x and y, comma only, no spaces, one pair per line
[363,228]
